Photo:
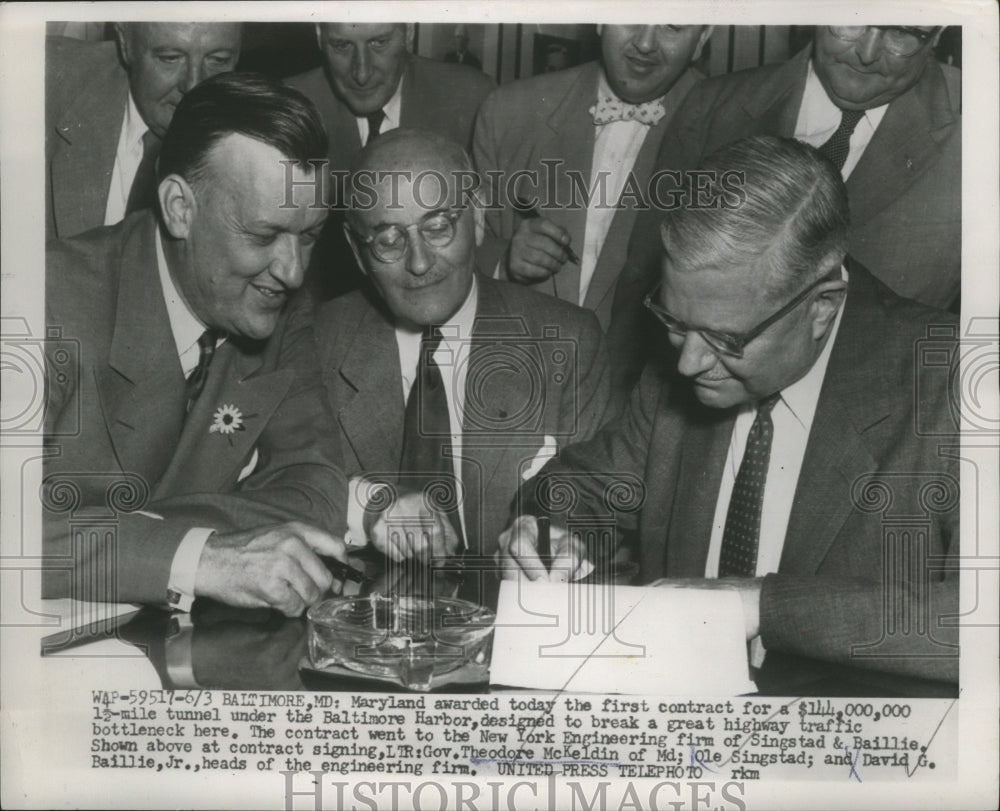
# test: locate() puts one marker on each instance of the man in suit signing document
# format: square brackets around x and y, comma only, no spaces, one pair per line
[190,449]
[792,425]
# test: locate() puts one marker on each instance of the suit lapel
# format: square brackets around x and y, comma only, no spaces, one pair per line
[207,460]
[704,450]
[774,108]
[372,410]
[573,133]
[902,148]
[89,153]
[856,395]
[142,388]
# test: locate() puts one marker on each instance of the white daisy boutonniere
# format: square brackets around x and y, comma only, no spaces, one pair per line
[227,420]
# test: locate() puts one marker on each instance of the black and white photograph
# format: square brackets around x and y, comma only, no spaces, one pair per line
[411,405]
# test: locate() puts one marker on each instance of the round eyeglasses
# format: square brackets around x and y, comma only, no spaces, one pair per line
[389,243]
[898,40]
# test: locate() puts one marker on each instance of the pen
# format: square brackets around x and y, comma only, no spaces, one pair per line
[544,540]
[530,212]
[344,572]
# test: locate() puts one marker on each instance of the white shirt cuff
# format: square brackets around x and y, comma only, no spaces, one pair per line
[359,492]
[498,270]
[178,650]
[180,586]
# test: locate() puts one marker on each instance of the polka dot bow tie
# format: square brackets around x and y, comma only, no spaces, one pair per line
[612,108]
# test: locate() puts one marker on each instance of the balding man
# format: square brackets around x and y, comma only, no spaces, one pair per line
[371,83]
[107,105]
[445,382]
[794,413]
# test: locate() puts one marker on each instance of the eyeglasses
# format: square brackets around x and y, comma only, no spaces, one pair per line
[390,242]
[896,39]
[730,344]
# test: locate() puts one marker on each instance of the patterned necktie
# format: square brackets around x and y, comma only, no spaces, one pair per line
[374,125]
[742,533]
[612,108]
[196,380]
[143,191]
[839,144]
[426,464]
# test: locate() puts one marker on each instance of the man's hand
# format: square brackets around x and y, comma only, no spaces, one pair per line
[273,566]
[518,553]
[536,251]
[408,529]
[748,588]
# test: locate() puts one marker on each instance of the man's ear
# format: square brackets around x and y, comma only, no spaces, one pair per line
[121,35]
[829,296]
[354,247]
[479,217]
[178,205]
[702,39]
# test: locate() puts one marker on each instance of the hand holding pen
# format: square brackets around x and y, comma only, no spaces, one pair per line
[539,247]
[522,552]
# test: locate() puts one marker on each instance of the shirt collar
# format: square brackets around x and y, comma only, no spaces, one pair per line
[392,107]
[820,112]
[604,89]
[134,127]
[184,325]
[802,396]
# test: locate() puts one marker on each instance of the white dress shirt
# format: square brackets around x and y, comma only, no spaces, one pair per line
[819,118]
[128,156]
[391,112]
[186,329]
[451,356]
[616,146]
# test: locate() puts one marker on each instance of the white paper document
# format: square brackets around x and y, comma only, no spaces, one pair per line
[620,639]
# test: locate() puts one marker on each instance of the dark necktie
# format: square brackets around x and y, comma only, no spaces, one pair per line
[196,380]
[426,464]
[374,124]
[143,191]
[742,533]
[839,144]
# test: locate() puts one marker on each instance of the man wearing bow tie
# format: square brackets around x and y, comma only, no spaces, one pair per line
[582,144]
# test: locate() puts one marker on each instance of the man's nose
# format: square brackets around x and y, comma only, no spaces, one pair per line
[695,356]
[419,258]
[645,39]
[288,265]
[194,74]
[869,47]
[361,66]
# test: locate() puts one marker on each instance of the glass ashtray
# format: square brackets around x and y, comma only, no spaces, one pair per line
[410,641]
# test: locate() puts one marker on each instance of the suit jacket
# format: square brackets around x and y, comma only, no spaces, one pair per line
[905,193]
[119,441]
[86,92]
[434,96]
[882,440]
[559,390]
[547,118]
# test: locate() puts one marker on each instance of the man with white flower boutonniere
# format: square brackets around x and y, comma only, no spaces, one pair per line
[192,454]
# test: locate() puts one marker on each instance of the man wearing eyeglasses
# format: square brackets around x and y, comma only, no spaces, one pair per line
[876,102]
[450,388]
[794,403]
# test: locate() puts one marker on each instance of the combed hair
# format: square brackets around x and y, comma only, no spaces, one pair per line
[245,104]
[792,214]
